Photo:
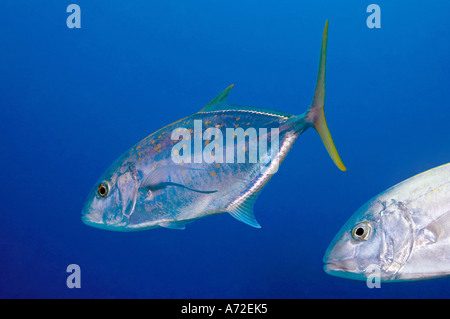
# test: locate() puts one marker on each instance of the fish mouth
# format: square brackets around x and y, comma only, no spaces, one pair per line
[93,223]
[335,266]
[93,219]
[100,224]
[338,268]
[344,269]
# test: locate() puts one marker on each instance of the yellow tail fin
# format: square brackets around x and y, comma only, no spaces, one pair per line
[322,129]
[316,114]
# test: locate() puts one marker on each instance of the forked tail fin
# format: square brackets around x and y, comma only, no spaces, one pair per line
[315,114]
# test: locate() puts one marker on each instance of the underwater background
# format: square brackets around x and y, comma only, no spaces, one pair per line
[73,100]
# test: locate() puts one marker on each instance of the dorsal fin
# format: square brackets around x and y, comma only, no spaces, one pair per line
[220,103]
[222,97]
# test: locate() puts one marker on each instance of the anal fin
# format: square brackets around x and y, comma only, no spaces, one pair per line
[244,211]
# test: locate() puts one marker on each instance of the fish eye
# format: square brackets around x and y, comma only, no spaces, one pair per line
[103,189]
[362,231]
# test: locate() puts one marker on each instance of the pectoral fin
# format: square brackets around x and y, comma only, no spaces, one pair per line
[173,225]
[165,176]
[439,229]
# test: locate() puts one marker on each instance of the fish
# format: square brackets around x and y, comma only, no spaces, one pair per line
[180,173]
[402,234]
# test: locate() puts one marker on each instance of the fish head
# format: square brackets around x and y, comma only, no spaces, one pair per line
[376,241]
[112,199]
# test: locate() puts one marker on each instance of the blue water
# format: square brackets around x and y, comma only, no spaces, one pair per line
[73,100]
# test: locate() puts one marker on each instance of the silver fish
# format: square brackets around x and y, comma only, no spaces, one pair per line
[403,233]
[149,187]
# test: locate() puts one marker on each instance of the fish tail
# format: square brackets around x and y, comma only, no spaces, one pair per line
[315,114]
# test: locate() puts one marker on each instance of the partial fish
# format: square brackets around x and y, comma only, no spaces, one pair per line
[401,234]
[157,183]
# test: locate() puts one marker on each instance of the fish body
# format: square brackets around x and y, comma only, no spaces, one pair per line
[216,160]
[403,233]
